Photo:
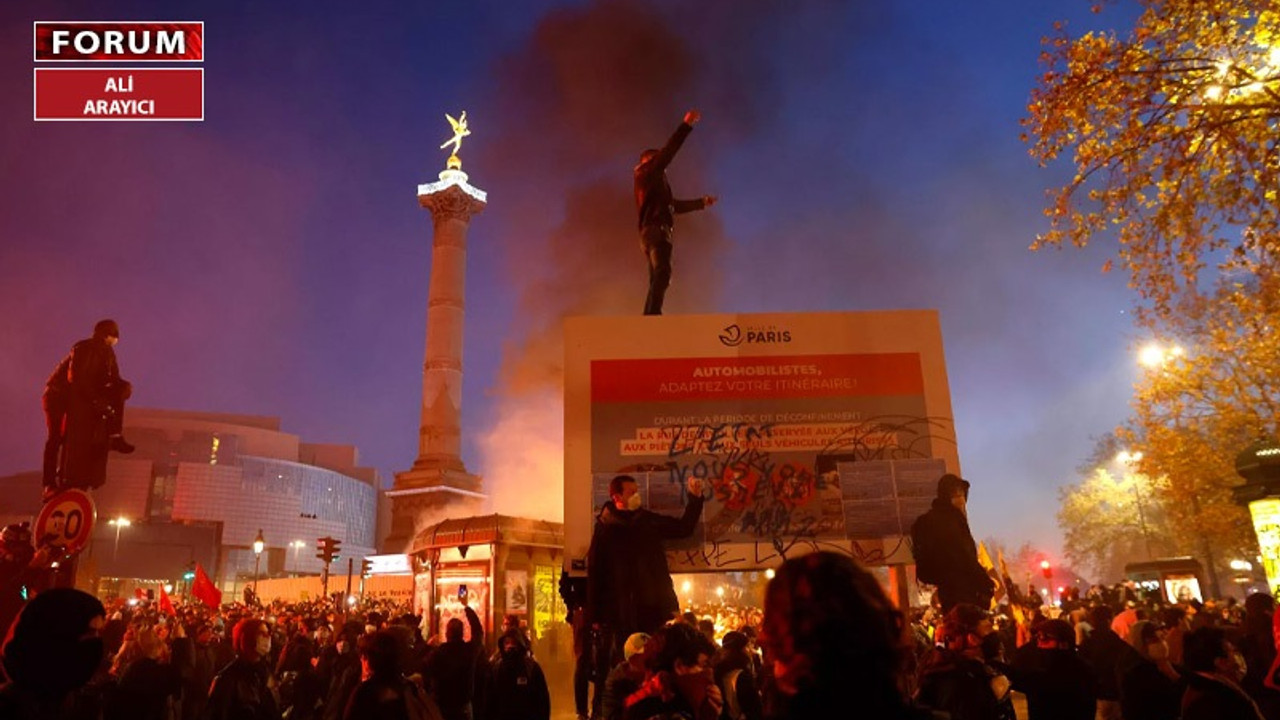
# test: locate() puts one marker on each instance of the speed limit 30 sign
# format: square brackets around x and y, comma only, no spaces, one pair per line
[66,521]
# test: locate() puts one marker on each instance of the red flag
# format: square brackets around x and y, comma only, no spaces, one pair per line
[205,591]
[166,606]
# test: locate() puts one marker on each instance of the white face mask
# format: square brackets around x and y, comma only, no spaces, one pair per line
[633,503]
[264,645]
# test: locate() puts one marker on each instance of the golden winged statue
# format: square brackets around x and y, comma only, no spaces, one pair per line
[460,131]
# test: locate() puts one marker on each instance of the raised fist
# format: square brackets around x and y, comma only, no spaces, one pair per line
[692,117]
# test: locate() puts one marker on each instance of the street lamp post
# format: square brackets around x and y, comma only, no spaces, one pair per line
[120,523]
[258,545]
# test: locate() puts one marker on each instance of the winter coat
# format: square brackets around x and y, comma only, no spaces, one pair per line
[394,698]
[1146,693]
[655,203]
[961,686]
[1211,698]
[628,583]
[518,690]
[947,556]
[240,692]
[1057,683]
[1106,654]
[452,669]
[146,689]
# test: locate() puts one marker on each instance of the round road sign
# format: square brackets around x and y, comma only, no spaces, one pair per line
[66,521]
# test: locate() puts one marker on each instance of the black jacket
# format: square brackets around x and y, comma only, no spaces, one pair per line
[628,583]
[962,687]
[518,690]
[240,692]
[947,556]
[1212,699]
[1106,654]
[1057,683]
[1148,694]
[452,668]
[654,202]
[144,691]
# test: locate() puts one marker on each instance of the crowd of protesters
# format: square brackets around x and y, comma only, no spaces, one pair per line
[68,657]
[830,643]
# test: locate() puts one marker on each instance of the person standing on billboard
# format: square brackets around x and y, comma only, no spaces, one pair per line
[945,553]
[629,588]
[658,207]
[84,412]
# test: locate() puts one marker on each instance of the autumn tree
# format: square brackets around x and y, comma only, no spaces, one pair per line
[1112,517]
[1172,132]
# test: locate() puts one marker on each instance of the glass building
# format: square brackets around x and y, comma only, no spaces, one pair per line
[244,475]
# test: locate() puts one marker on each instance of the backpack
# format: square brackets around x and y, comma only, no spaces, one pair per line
[928,565]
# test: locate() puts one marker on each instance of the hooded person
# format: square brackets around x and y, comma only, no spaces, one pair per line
[629,586]
[51,652]
[517,685]
[945,553]
[244,689]
[84,413]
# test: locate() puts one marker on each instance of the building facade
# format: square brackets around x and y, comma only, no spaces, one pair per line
[242,474]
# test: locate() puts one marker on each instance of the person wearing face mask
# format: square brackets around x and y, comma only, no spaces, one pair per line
[1057,683]
[51,653]
[1215,669]
[517,685]
[84,413]
[1150,686]
[945,553]
[244,689]
[955,677]
[629,588]
[682,683]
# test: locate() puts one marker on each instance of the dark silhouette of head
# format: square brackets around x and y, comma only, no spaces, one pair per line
[453,630]
[53,647]
[105,329]
[383,653]
[833,634]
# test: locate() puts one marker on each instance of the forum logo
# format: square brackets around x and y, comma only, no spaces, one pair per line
[734,335]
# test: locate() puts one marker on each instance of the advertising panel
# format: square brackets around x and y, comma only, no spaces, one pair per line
[818,430]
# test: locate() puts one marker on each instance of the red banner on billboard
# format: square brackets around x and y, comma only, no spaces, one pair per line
[119,41]
[119,94]
[756,377]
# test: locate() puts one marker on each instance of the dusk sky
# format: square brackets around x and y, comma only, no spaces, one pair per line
[273,259]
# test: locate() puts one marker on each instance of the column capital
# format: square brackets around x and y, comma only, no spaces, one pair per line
[452,197]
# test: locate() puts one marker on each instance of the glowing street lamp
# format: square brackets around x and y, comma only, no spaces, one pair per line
[769,573]
[258,545]
[120,523]
[1155,355]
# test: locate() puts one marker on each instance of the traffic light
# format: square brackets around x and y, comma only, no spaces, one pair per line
[1046,569]
[327,549]
[366,568]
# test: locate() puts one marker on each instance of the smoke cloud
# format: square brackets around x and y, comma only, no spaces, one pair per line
[575,106]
